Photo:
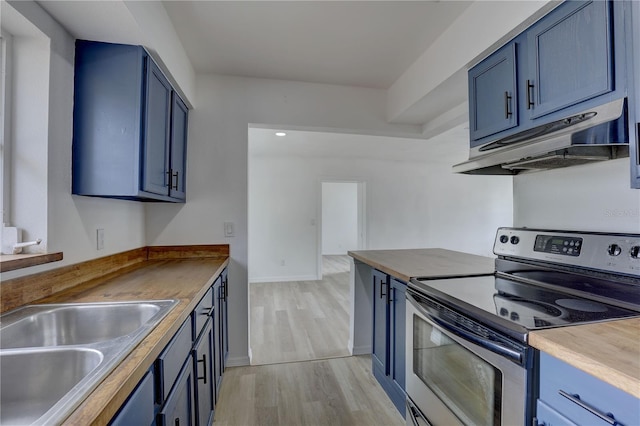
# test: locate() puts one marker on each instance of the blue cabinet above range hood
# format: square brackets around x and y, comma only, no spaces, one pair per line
[557,94]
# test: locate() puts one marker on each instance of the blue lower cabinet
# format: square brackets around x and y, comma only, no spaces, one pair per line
[397,341]
[182,385]
[570,396]
[547,416]
[140,407]
[380,344]
[204,375]
[170,362]
[388,346]
[179,408]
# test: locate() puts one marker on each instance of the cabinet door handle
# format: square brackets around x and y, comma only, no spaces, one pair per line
[389,298]
[507,101]
[175,175]
[208,311]
[575,398]
[168,173]
[382,284]
[530,103]
[177,421]
[204,363]
[226,289]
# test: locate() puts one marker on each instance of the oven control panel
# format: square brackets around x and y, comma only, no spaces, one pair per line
[616,253]
[566,246]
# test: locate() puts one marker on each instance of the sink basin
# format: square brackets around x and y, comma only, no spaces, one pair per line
[53,356]
[33,381]
[61,325]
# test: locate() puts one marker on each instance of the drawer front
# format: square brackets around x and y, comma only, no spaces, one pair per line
[139,408]
[170,361]
[547,416]
[202,313]
[583,391]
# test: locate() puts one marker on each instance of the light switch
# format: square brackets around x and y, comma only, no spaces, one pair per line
[229,230]
[100,239]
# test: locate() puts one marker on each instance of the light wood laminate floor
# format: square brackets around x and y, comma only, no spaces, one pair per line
[337,391]
[301,320]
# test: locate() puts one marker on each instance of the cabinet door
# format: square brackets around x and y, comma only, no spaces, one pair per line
[179,122]
[155,161]
[492,94]
[397,339]
[204,376]
[632,41]
[380,344]
[570,56]
[179,408]
[224,323]
[140,407]
[398,321]
[217,339]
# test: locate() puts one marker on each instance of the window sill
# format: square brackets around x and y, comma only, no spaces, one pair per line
[11,262]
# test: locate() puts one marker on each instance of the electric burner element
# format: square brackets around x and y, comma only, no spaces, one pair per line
[582,305]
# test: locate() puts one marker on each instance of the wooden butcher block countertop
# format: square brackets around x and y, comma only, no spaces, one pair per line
[186,280]
[432,263]
[608,350]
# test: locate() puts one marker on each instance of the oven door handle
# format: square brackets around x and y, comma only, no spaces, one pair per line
[416,416]
[512,354]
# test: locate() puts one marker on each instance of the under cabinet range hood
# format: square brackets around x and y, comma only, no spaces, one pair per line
[597,134]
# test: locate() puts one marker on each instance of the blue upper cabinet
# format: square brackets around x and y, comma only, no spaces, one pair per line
[129,126]
[493,94]
[157,132]
[179,125]
[571,60]
[570,57]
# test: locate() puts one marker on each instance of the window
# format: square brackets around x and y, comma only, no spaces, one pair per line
[5,151]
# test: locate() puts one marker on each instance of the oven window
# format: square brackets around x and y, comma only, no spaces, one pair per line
[468,385]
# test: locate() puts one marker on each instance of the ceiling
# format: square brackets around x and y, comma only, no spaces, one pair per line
[450,147]
[355,43]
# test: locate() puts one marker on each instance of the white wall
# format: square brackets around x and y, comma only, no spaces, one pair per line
[70,222]
[409,204]
[592,197]
[339,217]
[217,177]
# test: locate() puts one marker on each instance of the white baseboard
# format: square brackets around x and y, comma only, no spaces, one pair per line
[240,361]
[284,278]
[361,350]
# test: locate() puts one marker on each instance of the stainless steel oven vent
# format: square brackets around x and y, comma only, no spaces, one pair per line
[597,134]
[568,157]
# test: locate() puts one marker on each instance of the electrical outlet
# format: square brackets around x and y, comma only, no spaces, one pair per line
[229,230]
[100,239]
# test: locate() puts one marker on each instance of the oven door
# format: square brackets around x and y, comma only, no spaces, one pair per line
[454,381]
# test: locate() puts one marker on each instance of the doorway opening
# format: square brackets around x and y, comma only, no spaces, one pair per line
[299,300]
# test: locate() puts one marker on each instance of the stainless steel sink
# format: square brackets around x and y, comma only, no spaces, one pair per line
[60,325]
[53,356]
[34,381]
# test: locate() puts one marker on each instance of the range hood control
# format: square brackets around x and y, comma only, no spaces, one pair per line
[614,250]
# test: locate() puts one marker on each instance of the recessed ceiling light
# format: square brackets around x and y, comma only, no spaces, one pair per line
[281,134]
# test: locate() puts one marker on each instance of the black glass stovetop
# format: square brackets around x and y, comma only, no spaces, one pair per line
[556,299]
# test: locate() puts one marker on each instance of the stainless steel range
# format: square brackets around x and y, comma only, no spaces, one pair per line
[468,358]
